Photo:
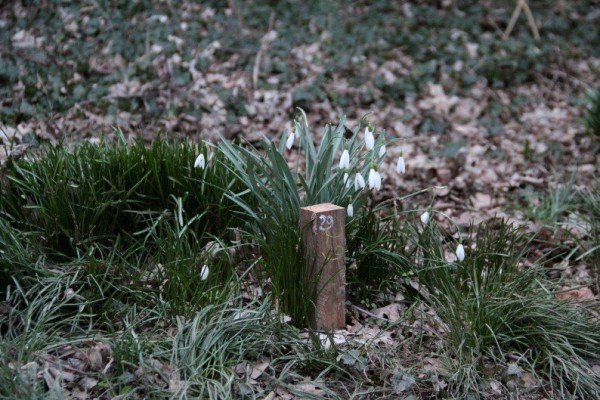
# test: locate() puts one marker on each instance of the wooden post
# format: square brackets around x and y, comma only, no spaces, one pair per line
[323,236]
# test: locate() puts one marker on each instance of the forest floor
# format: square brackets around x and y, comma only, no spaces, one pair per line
[494,122]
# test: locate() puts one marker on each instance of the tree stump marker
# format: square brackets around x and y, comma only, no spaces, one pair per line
[324,246]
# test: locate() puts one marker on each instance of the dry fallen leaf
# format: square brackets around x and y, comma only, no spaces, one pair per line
[270,396]
[581,294]
[481,201]
[528,381]
[283,393]
[88,382]
[258,368]
[309,388]
[391,312]
[95,359]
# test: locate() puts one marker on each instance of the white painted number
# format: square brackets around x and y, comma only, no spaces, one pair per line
[326,222]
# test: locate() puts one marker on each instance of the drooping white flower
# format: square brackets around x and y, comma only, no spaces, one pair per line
[382,151]
[374,179]
[425,217]
[200,161]
[359,181]
[325,341]
[347,182]
[345,160]
[460,252]
[204,272]
[401,166]
[369,139]
[290,140]
[350,210]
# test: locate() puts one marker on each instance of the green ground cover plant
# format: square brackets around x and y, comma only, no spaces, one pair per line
[79,53]
[168,238]
[503,317]
[164,260]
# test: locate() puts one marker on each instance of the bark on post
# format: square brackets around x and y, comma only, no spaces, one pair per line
[323,236]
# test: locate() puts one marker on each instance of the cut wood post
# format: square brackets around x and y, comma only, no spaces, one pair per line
[324,245]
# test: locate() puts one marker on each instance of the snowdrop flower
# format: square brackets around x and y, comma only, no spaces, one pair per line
[204,272]
[460,252]
[345,160]
[425,217]
[350,210]
[374,179]
[325,341]
[382,151]
[200,161]
[347,182]
[359,182]
[401,166]
[369,139]
[290,140]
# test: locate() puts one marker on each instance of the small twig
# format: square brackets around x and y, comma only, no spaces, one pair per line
[530,20]
[63,366]
[370,314]
[513,20]
[522,6]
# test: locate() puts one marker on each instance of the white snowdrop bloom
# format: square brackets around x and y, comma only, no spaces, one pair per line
[345,160]
[200,162]
[374,179]
[204,272]
[382,151]
[350,210]
[369,139]
[359,182]
[325,341]
[347,182]
[401,166]
[290,140]
[425,217]
[460,252]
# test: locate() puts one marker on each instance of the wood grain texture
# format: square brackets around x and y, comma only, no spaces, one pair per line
[324,246]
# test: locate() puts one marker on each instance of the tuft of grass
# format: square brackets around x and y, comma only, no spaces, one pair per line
[207,348]
[377,257]
[555,204]
[495,310]
[131,214]
[96,193]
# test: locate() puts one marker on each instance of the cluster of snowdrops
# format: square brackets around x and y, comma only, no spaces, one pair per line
[369,151]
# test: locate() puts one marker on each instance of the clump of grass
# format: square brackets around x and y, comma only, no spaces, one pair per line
[76,199]
[555,204]
[47,318]
[207,348]
[494,309]
[133,215]
[376,242]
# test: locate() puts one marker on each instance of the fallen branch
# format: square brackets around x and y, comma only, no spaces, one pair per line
[522,6]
